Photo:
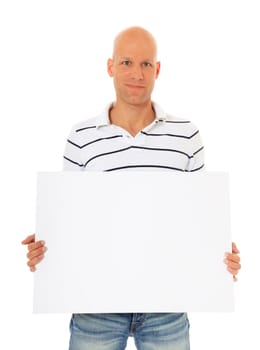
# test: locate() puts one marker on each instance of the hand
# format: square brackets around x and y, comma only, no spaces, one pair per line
[36,251]
[232,260]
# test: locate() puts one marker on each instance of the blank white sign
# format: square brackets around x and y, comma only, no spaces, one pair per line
[133,242]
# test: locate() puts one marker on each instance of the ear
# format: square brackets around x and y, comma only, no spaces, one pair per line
[110,67]
[158,68]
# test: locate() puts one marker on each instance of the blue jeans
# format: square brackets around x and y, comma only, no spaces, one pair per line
[151,331]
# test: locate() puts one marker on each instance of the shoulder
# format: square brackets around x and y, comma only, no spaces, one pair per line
[83,131]
[180,126]
[90,125]
[84,125]
[173,123]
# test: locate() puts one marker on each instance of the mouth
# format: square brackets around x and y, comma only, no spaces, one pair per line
[135,86]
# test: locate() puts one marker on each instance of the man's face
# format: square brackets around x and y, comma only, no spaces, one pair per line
[134,69]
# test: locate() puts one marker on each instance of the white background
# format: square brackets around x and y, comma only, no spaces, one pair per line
[53,74]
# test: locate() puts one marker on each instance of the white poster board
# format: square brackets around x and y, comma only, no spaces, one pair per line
[133,242]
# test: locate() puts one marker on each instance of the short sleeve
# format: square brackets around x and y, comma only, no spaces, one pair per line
[196,161]
[72,160]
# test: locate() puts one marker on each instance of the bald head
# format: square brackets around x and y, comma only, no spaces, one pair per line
[137,37]
[134,66]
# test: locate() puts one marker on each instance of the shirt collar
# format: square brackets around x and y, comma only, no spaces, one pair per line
[103,119]
[159,112]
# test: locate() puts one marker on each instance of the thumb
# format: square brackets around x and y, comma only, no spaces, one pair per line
[29,239]
[234,248]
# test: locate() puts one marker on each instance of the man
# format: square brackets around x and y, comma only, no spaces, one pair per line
[133,133]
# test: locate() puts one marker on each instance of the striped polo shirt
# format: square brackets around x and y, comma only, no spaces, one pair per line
[168,143]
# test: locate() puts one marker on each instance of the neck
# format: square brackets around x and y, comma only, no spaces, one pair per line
[132,118]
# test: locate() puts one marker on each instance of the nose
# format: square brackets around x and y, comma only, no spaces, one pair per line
[137,73]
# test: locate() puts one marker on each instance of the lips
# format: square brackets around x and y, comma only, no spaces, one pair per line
[135,86]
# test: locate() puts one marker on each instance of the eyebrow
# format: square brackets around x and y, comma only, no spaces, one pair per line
[131,59]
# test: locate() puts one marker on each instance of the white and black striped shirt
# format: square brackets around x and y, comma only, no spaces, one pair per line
[168,143]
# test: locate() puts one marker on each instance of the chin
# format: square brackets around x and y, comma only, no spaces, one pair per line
[137,100]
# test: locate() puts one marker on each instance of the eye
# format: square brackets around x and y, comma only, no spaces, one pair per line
[126,63]
[147,64]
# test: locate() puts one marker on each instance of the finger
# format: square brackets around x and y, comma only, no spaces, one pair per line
[31,263]
[234,272]
[232,257]
[36,252]
[36,245]
[233,265]
[29,239]
[234,248]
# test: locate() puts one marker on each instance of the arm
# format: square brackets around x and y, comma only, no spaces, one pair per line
[196,163]
[37,249]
